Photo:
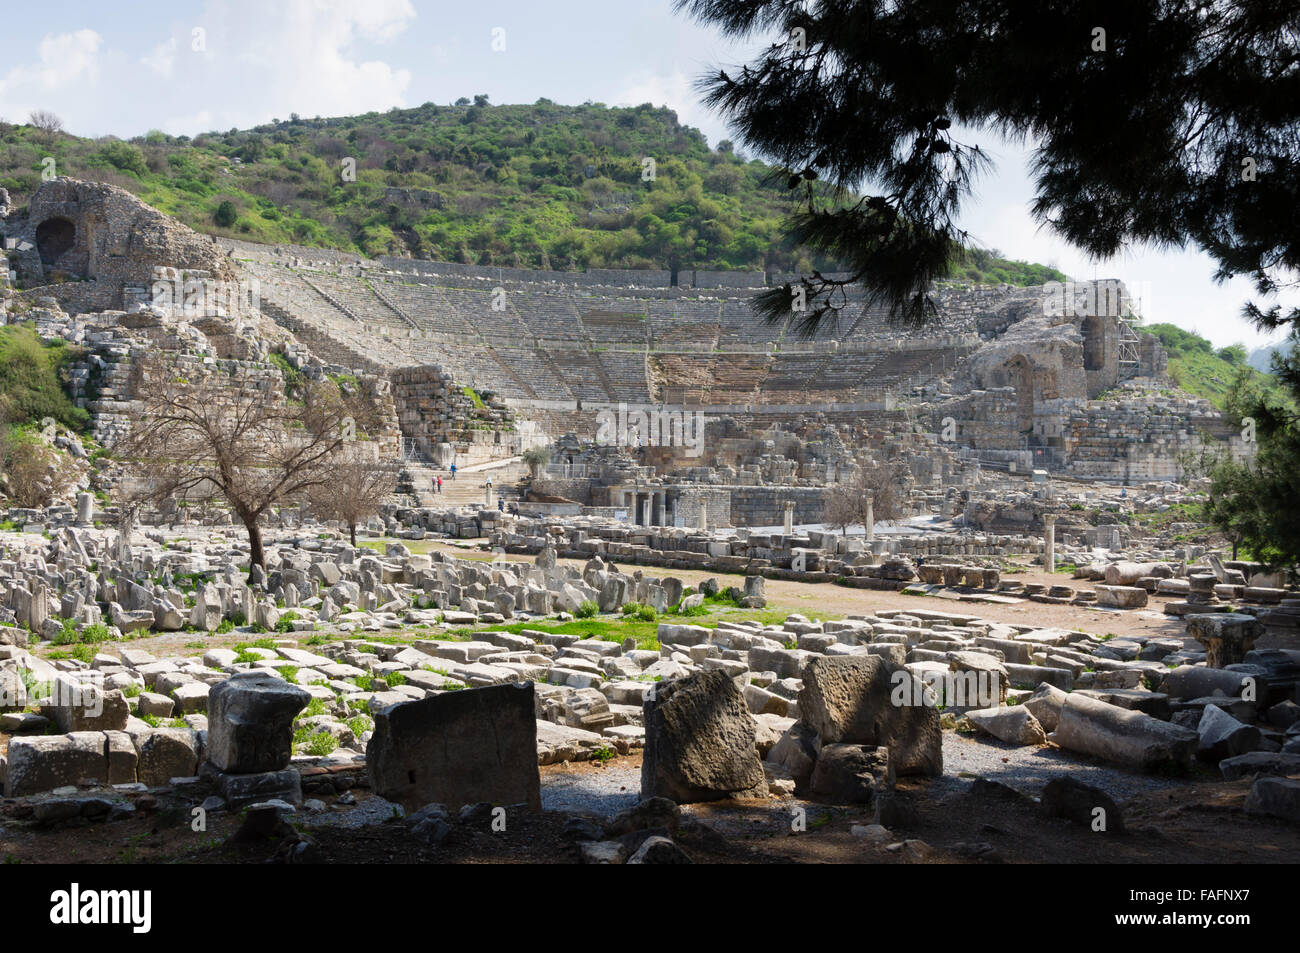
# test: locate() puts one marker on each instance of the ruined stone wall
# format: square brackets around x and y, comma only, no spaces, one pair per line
[433,410]
[765,505]
[109,239]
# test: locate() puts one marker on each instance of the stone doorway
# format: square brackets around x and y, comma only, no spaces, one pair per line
[55,238]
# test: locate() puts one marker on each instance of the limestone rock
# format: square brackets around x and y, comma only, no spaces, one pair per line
[1083,804]
[1014,724]
[250,722]
[1276,797]
[1222,736]
[458,748]
[1123,736]
[851,774]
[1045,705]
[868,700]
[699,741]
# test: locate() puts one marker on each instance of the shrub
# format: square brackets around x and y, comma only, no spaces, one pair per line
[321,743]
[226,214]
[586,609]
[359,724]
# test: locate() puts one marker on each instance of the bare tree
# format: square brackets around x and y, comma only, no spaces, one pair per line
[355,491]
[234,440]
[35,474]
[882,486]
[47,123]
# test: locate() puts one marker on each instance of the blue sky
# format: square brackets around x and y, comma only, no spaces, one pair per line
[126,67]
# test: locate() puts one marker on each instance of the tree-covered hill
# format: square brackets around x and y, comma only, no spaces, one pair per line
[540,186]
[1203,370]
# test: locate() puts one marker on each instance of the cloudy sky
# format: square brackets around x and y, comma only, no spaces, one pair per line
[190,66]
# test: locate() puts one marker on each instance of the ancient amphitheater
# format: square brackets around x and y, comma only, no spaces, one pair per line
[474,364]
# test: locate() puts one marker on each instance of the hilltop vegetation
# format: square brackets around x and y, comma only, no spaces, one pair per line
[33,378]
[1199,368]
[540,186]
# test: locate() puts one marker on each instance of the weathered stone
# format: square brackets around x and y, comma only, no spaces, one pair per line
[1127,573]
[1277,763]
[699,741]
[659,850]
[458,748]
[1014,724]
[250,722]
[1083,804]
[53,761]
[1222,736]
[851,774]
[651,814]
[77,705]
[1276,797]
[1227,636]
[868,700]
[1199,681]
[796,753]
[242,790]
[1045,705]
[1121,597]
[166,753]
[1122,736]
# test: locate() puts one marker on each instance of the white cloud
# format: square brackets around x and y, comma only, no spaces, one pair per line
[301,54]
[65,59]
[162,59]
[187,125]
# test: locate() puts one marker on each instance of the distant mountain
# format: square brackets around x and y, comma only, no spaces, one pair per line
[540,186]
[1262,357]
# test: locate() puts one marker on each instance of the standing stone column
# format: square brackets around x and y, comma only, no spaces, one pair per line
[125,527]
[869,519]
[702,515]
[487,496]
[789,518]
[1049,542]
[85,509]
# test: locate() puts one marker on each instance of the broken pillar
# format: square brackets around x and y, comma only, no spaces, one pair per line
[1227,636]
[1049,542]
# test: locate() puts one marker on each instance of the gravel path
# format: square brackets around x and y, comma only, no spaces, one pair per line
[1027,769]
[602,792]
[965,757]
[367,811]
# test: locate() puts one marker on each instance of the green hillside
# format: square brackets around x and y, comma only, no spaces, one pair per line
[540,186]
[1199,368]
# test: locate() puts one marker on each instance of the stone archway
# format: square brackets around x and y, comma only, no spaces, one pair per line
[55,238]
[1018,373]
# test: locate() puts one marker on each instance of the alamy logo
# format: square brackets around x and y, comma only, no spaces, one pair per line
[77,906]
[651,427]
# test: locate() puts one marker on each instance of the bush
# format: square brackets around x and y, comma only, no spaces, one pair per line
[124,157]
[226,214]
[586,609]
[32,373]
[321,743]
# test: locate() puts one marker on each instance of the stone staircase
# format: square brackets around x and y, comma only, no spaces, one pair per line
[467,489]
